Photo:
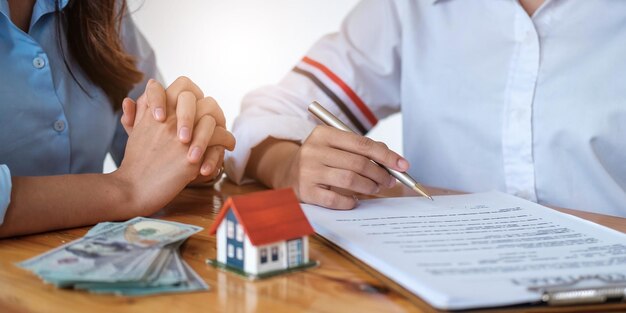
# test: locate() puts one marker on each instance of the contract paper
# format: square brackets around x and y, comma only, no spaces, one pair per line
[475,250]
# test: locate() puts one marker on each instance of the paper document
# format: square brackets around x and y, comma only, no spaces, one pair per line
[475,250]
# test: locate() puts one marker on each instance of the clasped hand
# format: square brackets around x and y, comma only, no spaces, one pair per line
[200,122]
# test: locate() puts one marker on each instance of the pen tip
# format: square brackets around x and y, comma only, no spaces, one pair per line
[419,189]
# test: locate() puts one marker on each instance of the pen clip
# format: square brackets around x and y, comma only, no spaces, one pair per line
[584,295]
[583,289]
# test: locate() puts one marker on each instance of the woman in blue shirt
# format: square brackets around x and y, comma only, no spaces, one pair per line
[66,67]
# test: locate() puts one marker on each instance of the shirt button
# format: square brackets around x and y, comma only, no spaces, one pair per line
[39,62]
[59,126]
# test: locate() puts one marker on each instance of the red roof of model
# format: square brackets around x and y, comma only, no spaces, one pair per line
[267,216]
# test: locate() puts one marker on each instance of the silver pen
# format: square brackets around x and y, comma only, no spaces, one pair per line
[329,119]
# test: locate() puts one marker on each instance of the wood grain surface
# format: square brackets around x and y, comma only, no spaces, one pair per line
[339,284]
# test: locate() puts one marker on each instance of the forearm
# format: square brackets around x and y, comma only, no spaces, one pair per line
[54,202]
[270,161]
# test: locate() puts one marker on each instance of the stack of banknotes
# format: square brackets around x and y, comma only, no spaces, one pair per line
[134,258]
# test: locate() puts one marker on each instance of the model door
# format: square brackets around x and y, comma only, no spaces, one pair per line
[234,241]
[294,252]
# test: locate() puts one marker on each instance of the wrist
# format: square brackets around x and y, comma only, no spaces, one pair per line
[124,194]
[280,176]
[270,162]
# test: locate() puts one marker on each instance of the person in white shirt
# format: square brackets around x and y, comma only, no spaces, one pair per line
[526,97]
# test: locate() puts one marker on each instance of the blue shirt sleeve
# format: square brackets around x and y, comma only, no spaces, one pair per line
[5,190]
[118,146]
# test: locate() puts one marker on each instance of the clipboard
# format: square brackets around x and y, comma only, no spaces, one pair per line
[554,298]
[592,289]
[347,233]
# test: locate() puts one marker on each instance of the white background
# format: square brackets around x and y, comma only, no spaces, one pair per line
[231,47]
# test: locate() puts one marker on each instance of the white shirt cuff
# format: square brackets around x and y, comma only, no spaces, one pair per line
[5,190]
[251,131]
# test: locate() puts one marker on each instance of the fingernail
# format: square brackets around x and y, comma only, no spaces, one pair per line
[184,134]
[377,189]
[159,114]
[195,154]
[392,182]
[403,164]
[206,169]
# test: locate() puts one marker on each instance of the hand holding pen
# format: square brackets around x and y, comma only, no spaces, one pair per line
[329,119]
[331,166]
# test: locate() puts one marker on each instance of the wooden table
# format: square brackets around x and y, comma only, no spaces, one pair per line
[340,284]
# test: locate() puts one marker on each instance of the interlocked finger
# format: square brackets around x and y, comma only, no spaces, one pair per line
[128,114]
[186,115]
[212,159]
[201,136]
[156,101]
[222,137]
[208,106]
[178,86]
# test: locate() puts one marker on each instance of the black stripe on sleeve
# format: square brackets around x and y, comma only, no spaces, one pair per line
[333,97]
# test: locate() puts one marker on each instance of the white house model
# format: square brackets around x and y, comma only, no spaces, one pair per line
[263,232]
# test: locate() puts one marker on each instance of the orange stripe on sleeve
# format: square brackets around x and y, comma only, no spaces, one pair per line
[351,94]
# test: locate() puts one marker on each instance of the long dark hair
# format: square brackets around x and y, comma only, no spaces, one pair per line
[92,29]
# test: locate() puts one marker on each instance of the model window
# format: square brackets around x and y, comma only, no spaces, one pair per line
[231,251]
[274,254]
[239,253]
[263,253]
[239,233]
[230,229]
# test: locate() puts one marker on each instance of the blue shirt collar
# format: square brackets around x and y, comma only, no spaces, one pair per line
[41,8]
[4,7]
